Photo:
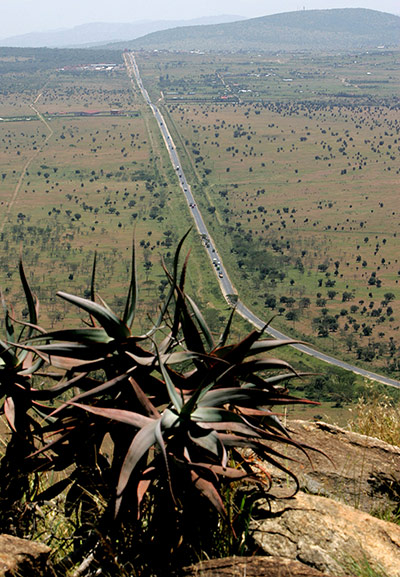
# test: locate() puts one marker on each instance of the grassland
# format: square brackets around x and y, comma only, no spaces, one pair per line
[295,161]
[84,169]
[292,158]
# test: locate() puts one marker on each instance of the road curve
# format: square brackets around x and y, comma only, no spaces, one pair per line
[226,286]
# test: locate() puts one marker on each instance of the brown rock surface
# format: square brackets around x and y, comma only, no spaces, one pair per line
[251,567]
[22,557]
[360,472]
[325,534]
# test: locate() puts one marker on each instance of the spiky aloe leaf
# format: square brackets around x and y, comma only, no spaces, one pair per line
[161,443]
[208,489]
[143,399]
[173,282]
[7,321]
[202,323]
[32,367]
[113,326]
[173,394]
[183,318]
[229,472]
[177,254]
[224,337]
[130,305]
[196,397]
[142,441]
[208,439]
[248,368]
[8,356]
[190,332]
[169,358]
[218,415]
[9,411]
[264,452]
[257,347]
[86,336]
[273,422]
[143,485]
[223,420]
[235,396]
[269,344]
[128,417]
[30,301]
[94,390]
[66,363]
[284,377]
[58,389]
[75,351]
[239,351]
[93,279]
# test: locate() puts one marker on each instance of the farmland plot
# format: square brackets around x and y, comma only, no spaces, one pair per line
[80,178]
[296,165]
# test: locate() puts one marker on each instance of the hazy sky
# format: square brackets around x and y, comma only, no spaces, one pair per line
[21,16]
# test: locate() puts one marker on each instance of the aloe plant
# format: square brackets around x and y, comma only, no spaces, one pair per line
[186,412]
[17,398]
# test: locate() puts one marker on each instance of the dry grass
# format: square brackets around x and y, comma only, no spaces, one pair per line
[377,416]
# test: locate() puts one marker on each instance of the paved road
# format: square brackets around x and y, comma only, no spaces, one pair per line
[227,288]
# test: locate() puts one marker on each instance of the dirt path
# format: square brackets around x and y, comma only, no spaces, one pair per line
[27,164]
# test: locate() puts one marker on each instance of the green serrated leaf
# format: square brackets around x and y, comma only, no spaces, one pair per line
[269,344]
[224,337]
[9,356]
[83,336]
[203,325]
[141,443]
[30,301]
[207,439]
[121,415]
[93,279]
[130,305]
[209,491]
[113,326]
[175,398]
[77,351]
[234,395]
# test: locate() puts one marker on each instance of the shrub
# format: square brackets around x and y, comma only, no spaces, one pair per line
[145,432]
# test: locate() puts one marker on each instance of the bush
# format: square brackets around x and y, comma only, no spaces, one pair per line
[138,437]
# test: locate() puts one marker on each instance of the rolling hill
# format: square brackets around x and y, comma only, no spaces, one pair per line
[95,33]
[329,30]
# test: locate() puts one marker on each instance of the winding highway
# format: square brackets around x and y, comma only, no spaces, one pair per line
[228,290]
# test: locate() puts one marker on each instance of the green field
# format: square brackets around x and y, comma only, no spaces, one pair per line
[296,166]
[293,159]
[299,194]
[72,185]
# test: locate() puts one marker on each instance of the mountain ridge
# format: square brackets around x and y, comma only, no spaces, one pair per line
[97,33]
[332,30]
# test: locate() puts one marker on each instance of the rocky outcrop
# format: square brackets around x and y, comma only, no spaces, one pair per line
[251,567]
[360,471]
[23,558]
[325,535]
